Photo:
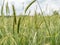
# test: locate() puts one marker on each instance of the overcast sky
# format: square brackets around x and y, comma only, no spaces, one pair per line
[46,5]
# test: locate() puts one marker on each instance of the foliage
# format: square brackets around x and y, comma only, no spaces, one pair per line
[55,12]
[31,30]
[29,5]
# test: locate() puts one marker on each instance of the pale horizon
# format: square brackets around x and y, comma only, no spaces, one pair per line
[46,5]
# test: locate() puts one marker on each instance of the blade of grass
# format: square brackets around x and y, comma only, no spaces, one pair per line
[7,9]
[2,13]
[43,18]
[14,21]
[29,5]
[14,13]
[18,26]
[2,8]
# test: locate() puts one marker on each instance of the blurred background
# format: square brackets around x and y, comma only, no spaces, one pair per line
[48,6]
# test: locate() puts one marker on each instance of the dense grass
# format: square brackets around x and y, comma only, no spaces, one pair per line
[29,30]
[32,31]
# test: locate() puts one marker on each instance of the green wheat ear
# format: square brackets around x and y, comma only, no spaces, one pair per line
[18,26]
[14,13]
[2,13]
[14,21]
[2,8]
[7,9]
[29,5]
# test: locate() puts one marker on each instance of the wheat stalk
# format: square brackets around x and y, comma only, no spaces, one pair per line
[18,26]
[43,17]
[14,21]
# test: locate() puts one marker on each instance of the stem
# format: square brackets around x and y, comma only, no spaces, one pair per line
[43,17]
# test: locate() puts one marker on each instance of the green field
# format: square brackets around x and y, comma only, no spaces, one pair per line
[33,30]
[29,30]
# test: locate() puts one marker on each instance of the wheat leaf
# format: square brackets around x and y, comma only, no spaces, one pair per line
[29,5]
[18,25]
[14,13]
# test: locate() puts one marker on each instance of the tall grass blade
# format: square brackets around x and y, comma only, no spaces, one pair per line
[7,9]
[13,26]
[14,13]
[18,26]
[36,26]
[43,17]
[2,13]
[2,8]
[29,5]
[14,21]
